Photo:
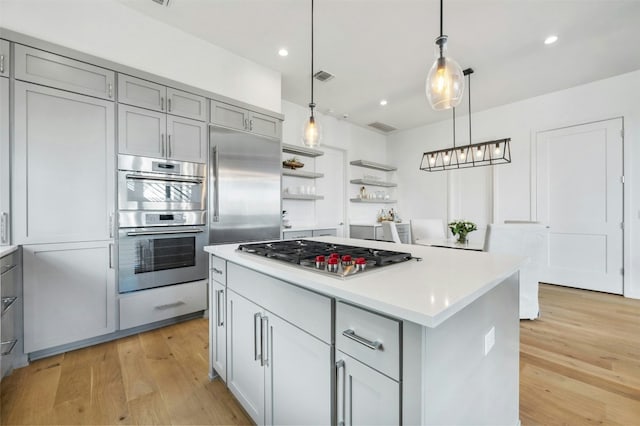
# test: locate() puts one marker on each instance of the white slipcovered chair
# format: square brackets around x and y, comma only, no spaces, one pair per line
[426,229]
[390,232]
[526,239]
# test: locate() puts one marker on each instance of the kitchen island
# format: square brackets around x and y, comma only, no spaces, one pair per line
[429,341]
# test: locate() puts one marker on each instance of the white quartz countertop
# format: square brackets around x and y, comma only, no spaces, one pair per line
[5,250]
[426,292]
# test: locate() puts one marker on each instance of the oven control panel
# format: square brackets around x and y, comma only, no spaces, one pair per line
[164,219]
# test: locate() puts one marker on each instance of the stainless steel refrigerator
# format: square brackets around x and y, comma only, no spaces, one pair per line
[244,187]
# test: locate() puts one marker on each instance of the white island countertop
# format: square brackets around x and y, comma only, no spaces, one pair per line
[425,292]
[6,250]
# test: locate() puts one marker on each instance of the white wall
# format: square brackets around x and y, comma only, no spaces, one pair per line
[110,30]
[359,144]
[504,192]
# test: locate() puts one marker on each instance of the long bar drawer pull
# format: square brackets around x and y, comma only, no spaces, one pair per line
[170,305]
[10,343]
[368,343]
[217,271]
[7,302]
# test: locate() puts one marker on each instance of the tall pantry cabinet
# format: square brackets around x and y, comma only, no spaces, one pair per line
[64,196]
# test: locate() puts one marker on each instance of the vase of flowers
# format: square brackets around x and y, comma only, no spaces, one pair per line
[461,228]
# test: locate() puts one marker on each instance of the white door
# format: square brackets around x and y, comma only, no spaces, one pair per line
[331,211]
[580,197]
[365,396]
[298,371]
[245,375]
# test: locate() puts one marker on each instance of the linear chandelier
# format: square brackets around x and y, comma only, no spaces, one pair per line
[487,153]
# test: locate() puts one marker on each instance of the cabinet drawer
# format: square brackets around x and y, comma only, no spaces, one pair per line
[186,104]
[147,306]
[324,232]
[9,284]
[370,338]
[5,59]
[290,235]
[10,261]
[307,310]
[218,269]
[63,73]
[141,93]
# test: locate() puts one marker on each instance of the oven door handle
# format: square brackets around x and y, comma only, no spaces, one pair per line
[181,231]
[164,179]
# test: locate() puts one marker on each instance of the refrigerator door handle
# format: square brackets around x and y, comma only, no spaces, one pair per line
[215,216]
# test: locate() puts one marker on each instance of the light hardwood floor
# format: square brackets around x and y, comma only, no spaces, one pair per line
[579,364]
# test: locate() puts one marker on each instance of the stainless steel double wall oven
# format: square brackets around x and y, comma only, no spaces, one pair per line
[162,219]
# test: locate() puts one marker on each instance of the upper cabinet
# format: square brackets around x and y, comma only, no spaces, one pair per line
[155,134]
[146,94]
[5,58]
[234,117]
[47,69]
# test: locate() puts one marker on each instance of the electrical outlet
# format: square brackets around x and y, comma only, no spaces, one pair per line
[489,340]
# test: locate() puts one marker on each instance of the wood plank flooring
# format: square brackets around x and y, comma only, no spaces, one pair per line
[580,361]
[579,365]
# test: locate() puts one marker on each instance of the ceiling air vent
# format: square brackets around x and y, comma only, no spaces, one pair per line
[322,75]
[382,127]
[162,2]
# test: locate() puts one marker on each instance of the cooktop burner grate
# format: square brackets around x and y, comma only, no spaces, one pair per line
[304,253]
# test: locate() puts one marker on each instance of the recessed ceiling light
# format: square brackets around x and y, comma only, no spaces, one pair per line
[383,102]
[551,39]
[283,52]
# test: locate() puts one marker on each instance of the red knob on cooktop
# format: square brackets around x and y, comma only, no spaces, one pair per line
[361,261]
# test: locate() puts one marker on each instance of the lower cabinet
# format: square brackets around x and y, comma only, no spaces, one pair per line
[69,293]
[218,330]
[10,312]
[279,373]
[157,304]
[365,396]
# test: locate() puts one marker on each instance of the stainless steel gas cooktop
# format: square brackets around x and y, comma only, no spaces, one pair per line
[332,259]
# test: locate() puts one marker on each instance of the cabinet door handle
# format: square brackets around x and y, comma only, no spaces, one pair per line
[168,145]
[111,225]
[169,104]
[7,302]
[256,337]
[4,227]
[162,144]
[161,103]
[264,338]
[110,255]
[340,396]
[217,271]
[250,124]
[246,124]
[350,334]
[169,305]
[219,315]
[10,343]
[2,64]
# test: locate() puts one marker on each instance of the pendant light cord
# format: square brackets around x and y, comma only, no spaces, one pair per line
[470,107]
[312,104]
[441,14]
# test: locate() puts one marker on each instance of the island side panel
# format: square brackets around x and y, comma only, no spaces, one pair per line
[463,386]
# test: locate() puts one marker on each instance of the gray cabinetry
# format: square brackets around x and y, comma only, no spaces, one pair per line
[64,171]
[5,199]
[155,134]
[368,367]
[10,311]
[147,94]
[69,292]
[234,117]
[218,317]
[5,58]
[375,232]
[141,132]
[278,358]
[45,68]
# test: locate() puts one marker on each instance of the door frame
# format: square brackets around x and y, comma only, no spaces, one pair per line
[345,224]
[626,190]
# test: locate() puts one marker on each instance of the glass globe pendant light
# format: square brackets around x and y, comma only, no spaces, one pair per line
[312,131]
[445,81]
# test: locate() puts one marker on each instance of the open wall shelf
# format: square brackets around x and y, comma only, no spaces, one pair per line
[301,174]
[301,150]
[302,197]
[373,183]
[372,201]
[372,165]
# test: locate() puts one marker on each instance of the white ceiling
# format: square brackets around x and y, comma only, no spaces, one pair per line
[384,48]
